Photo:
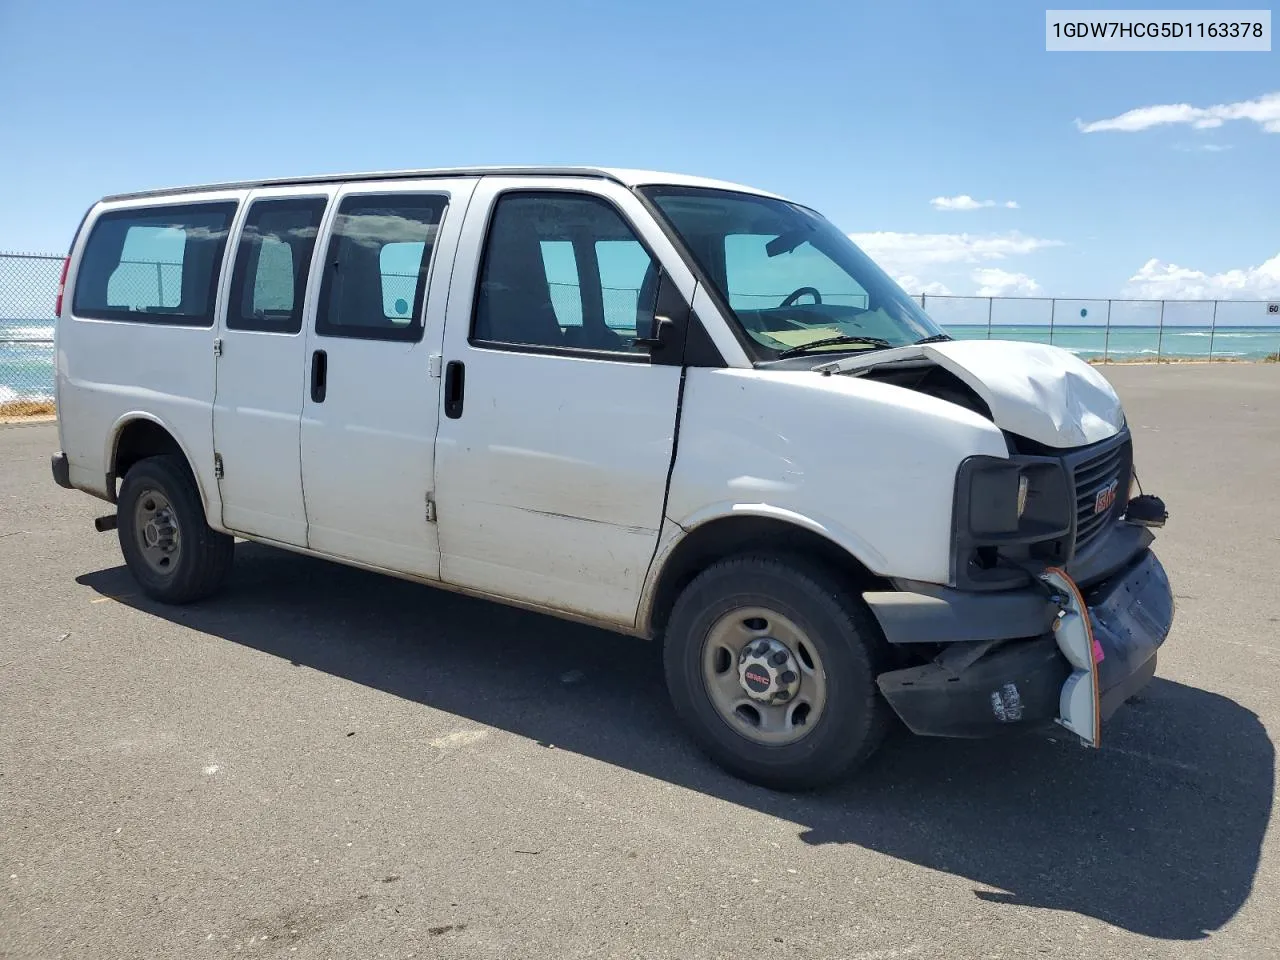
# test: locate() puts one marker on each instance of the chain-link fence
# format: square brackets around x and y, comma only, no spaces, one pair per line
[1097,330]
[28,290]
[1119,330]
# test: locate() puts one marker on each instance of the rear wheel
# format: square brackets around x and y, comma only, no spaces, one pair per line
[170,549]
[771,664]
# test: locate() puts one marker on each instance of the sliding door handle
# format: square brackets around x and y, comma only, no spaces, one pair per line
[455,375]
[319,375]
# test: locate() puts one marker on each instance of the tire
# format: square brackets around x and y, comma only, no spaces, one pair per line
[199,558]
[838,632]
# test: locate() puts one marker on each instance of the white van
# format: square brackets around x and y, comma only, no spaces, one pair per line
[672,407]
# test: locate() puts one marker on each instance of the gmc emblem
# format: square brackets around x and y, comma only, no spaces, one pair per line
[1106,498]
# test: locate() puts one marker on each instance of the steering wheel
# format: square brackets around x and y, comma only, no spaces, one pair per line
[796,295]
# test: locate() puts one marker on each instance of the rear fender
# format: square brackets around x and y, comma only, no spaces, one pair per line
[208,488]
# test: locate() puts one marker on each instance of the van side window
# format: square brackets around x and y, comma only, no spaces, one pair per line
[273,259]
[564,270]
[375,278]
[154,264]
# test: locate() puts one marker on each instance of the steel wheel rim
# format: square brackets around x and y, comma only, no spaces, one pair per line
[156,532]
[726,670]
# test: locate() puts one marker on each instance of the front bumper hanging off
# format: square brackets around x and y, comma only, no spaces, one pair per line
[981,688]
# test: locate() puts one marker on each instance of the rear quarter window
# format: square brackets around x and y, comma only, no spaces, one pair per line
[154,264]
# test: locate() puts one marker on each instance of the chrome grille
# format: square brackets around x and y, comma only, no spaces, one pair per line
[1093,475]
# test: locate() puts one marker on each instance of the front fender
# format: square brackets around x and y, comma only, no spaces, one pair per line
[674,533]
[826,527]
[868,465]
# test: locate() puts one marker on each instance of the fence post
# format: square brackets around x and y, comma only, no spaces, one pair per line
[923,297]
[1160,334]
[1213,326]
[1106,336]
[159,285]
[990,302]
[1053,311]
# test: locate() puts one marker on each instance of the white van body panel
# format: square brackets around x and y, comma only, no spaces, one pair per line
[1036,390]
[551,482]
[257,412]
[868,465]
[368,450]
[110,372]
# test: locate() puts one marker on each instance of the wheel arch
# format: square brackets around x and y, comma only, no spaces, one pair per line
[739,530]
[137,435]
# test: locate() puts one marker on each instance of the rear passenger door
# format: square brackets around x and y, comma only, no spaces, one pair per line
[370,410]
[257,411]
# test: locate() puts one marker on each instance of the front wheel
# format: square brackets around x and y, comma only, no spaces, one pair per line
[170,549]
[770,663]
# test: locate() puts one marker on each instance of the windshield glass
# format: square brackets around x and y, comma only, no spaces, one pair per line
[794,282]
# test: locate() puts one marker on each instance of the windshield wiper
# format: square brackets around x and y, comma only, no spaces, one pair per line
[831,342]
[936,338]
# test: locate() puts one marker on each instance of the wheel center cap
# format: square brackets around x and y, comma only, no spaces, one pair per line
[158,532]
[768,671]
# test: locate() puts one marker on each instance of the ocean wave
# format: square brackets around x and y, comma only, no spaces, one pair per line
[9,394]
[1260,334]
[26,333]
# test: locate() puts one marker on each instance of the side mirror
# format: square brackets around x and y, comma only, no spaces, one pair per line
[662,326]
[669,317]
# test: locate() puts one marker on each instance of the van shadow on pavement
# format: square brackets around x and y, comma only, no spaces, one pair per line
[1158,833]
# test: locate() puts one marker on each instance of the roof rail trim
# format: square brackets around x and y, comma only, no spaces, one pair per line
[424,174]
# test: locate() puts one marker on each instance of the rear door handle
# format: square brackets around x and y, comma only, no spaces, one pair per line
[455,375]
[319,375]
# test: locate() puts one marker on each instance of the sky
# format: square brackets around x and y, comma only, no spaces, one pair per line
[940,135]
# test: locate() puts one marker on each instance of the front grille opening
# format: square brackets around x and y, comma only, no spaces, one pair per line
[1102,491]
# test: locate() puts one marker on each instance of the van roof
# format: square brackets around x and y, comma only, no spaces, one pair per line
[624,176]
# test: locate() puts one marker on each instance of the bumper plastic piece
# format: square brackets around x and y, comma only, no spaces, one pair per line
[1016,685]
[61,470]
[1010,688]
[944,615]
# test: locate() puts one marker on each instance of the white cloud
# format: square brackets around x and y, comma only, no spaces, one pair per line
[1264,111]
[1202,147]
[918,254]
[915,286]
[966,202]
[994,282]
[1158,280]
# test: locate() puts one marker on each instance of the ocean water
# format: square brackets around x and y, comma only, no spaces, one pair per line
[26,347]
[26,360]
[1136,342]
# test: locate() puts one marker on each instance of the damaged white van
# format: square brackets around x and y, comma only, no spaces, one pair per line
[673,407]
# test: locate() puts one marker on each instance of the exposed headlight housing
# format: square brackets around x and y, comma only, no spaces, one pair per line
[1009,510]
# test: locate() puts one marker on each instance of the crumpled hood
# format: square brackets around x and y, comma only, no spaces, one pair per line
[1044,393]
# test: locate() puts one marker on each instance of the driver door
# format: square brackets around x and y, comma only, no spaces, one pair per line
[553,454]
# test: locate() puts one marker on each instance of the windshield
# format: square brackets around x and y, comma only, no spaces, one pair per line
[794,282]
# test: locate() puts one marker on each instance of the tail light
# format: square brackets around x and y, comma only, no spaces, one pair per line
[62,287]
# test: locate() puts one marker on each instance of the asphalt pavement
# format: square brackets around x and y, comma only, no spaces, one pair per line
[323,762]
